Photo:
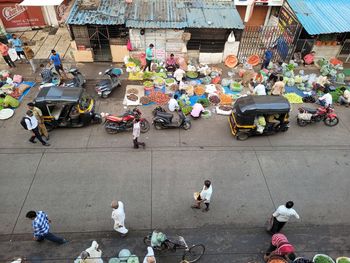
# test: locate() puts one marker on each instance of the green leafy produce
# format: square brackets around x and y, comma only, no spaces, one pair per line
[192,74]
[321,62]
[186,109]
[290,67]
[344,260]
[236,86]
[322,259]
[336,94]
[170,81]
[136,61]
[148,75]
[159,81]
[161,75]
[204,102]
[148,84]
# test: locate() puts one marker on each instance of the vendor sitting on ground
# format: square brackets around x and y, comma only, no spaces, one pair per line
[171,64]
[179,74]
[345,97]
[197,110]
[326,100]
[46,74]
[309,59]
[173,104]
[280,246]
[6,101]
[259,89]
[278,87]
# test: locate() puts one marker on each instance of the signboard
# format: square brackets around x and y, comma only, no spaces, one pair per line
[288,24]
[160,54]
[14,15]
[259,2]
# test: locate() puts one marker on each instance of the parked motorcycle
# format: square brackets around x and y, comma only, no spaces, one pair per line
[78,80]
[114,124]
[106,86]
[325,114]
[164,120]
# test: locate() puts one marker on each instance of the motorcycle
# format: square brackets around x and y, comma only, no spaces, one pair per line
[164,120]
[78,80]
[106,86]
[114,124]
[325,114]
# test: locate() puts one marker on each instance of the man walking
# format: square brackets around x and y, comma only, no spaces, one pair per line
[282,215]
[118,215]
[136,134]
[32,125]
[17,44]
[149,57]
[39,116]
[267,58]
[4,50]
[41,227]
[57,62]
[30,55]
[204,196]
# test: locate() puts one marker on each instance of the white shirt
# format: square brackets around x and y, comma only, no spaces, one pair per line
[283,213]
[136,130]
[118,215]
[206,193]
[172,104]
[260,90]
[179,74]
[32,124]
[327,98]
[150,253]
[95,255]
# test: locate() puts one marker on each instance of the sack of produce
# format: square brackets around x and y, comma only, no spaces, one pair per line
[226,82]
[304,116]
[291,82]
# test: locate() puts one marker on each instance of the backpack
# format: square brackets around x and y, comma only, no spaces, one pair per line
[24,124]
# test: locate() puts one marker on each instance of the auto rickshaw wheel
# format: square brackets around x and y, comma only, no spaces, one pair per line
[49,126]
[242,136]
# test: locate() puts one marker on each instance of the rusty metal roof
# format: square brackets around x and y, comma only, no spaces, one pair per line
[160,14]
[109,12]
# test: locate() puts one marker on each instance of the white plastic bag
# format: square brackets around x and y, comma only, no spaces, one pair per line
[231,38]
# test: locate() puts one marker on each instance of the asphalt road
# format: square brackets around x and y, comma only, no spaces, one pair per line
[76,178]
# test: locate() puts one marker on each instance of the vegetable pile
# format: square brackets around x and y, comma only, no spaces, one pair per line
[343,260]
[148,84]
[132,91]
[192,74]
[293,98]
[214,99]
[322,259]
[159,98]
[132,97]
[204,102]
[199,90]
[144,100]
[225,99]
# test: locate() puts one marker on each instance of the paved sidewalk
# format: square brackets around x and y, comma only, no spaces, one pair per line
[223,244]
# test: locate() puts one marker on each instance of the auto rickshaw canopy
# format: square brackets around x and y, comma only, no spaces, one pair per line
[58,94]
[247,108]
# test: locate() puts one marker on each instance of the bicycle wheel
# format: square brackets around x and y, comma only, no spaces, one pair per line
[194,253]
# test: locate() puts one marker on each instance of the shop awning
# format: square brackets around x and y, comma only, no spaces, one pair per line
[322,16]
[41,2]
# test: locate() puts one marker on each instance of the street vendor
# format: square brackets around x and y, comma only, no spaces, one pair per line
[7,101]
[197,110]
[280,246]
[179,74]
[171,64]
[309,59]
[173,104]
[345,97]
[278,87]
[326,100]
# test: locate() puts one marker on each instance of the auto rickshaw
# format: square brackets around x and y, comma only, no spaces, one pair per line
[66,107]
[259,115]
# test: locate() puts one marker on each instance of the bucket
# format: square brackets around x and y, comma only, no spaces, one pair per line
[160,88]
[148,90]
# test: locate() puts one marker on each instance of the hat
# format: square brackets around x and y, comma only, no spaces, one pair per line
[196,195]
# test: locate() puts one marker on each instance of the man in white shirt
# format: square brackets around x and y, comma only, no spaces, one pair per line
[149,258]
[326,100]
[32,125]
[345,97]
[172,104]
[136,134]
[259,90]
[204,196]
[118,215]
[282,215]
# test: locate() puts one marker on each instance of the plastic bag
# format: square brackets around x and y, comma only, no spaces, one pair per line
[128,45]
[231,38]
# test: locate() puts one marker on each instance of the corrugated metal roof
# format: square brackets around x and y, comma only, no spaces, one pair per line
[322,16]
[109,12]
[155,14]
[210,14]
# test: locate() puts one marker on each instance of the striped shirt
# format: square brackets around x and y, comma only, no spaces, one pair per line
[283,246]
[40,224]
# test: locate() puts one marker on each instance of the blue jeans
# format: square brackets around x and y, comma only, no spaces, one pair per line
[52,237]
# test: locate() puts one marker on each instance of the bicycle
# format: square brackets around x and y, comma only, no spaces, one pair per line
[191,254]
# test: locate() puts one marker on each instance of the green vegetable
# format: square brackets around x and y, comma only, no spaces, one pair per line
[204,102]
[148,84]
[170,81]
[344,260]
[186,110]
[148,75]
[236,86]
[192,74]
[161,75]
[322,259]
[136,61]
[290,67]
[158,81]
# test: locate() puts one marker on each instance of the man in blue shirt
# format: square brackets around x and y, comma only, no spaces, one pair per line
[149,57]
[17,44]
[267,58]
[56,60]
[41,227]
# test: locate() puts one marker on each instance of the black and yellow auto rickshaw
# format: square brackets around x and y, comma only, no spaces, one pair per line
[66,107]
[259,115]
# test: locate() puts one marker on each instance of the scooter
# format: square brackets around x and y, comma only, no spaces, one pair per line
[164,120]
[114,124]
[106,86]
[326,114]
[78,80]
